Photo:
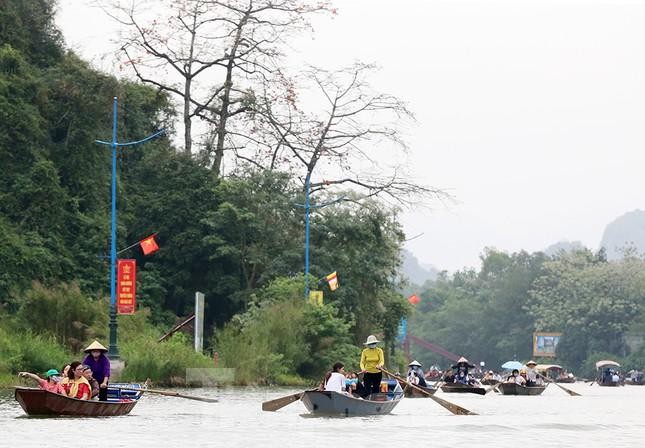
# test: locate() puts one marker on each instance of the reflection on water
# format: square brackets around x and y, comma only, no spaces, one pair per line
[601,417]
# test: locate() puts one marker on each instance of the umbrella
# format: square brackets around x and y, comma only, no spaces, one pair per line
[511,365]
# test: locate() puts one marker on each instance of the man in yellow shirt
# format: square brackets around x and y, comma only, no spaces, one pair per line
[372,360]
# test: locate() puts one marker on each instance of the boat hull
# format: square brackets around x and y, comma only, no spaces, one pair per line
[516,389]
[458,388]
[41,402]
[334,403]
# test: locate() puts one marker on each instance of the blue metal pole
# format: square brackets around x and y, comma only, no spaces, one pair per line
[307,207]
[113,351]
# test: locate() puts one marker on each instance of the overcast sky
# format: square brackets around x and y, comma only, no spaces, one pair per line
[530,113]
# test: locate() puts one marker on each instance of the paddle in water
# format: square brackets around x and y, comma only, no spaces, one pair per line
[455,409]
[169,394]
[279,403]
[569,391]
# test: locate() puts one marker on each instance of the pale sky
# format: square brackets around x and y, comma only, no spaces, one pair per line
[530,113]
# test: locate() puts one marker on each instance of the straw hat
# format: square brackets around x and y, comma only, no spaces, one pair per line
[96,345]
[371,339]
[531,363]
[415,363]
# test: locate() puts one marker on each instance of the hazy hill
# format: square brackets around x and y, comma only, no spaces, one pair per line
[415,271]
[625,232]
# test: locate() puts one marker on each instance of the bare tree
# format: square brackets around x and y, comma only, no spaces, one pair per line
[210,54]
[354,140]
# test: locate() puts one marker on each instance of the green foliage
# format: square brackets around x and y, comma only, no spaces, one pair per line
[164,363]
[22,350]
[461,312]
[62,313]
[281,333]
[593,301]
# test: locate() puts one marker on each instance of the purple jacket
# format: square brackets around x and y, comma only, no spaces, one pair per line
[100,367]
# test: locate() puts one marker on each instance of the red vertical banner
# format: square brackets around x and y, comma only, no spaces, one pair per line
[126,284]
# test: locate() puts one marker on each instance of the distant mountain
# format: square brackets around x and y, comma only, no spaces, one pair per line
[415,271]
[626,232]
[563,246]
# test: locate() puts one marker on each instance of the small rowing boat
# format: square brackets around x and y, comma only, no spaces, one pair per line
[517,389]
[334,403]
[460,388]
[36,401]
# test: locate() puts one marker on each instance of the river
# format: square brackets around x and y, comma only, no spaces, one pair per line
[601,417]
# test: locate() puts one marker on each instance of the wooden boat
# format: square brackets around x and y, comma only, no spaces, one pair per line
[489,382]
[36,401]
[555,373]
[334,403]
[121,391]
[462,388]
[605,369]
[517,389]
[410,392]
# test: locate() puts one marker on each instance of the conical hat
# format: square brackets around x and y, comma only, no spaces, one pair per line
[371,339]
[96,345]
[531,363]
[415,363]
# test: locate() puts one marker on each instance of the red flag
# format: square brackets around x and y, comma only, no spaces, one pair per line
[149,245]
[414,299]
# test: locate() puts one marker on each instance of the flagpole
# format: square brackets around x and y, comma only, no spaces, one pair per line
[113,349]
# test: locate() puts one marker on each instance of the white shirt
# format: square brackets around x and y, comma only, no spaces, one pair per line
[336,382]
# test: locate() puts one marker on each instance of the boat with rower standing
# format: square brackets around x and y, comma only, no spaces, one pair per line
[334,403]
[36,401]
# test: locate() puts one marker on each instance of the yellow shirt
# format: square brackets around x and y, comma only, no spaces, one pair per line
[370,358]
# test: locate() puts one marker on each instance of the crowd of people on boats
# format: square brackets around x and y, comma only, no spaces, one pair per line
[86,380]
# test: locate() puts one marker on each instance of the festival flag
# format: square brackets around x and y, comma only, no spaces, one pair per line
[149,245]
[414,299]
[316,298]
[332,280]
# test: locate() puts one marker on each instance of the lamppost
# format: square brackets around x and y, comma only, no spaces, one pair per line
[307,206]
[113,350]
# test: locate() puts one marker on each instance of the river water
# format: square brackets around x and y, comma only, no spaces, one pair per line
[601,417]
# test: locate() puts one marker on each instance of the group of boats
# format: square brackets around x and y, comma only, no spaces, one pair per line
[123,397]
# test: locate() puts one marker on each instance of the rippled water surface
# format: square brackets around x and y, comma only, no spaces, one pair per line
[613,417]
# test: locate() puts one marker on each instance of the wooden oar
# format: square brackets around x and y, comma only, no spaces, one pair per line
[169,394]
[278,403]
[569,391]
[457,410]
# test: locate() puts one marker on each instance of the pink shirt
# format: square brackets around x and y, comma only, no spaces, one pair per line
[51,387]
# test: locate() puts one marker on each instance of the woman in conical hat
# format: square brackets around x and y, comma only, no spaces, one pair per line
[415,370]
[97,360]
[372,359]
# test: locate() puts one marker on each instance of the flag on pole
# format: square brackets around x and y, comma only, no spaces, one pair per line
[332,280]
[149,245]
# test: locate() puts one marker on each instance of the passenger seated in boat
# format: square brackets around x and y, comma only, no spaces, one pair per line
[94,385]
[415,368]
[413,378]
[615,378]
[448,376]
[50,384]
[335,380]
[462,377]
[516,378]
[77,386]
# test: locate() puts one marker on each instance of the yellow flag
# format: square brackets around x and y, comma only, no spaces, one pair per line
[316,297]
[332,280]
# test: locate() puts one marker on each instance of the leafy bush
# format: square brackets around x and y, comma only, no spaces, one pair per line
[164,363]
[26,351]
[62,313]
[281,334]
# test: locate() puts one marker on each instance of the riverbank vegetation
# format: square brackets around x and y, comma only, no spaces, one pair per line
[227,211]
